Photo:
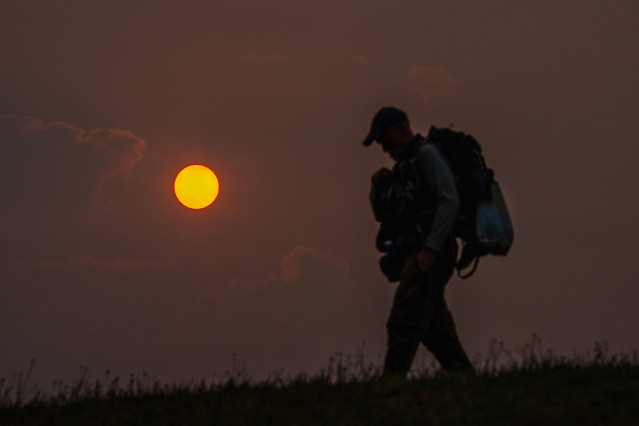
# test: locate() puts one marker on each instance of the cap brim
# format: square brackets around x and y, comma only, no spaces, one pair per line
[372,137]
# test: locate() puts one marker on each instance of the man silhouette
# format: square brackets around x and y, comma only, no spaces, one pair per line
[417,204]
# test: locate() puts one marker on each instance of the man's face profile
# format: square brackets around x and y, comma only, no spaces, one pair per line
[394,141]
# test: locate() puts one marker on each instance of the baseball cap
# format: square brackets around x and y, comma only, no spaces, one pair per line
[386,117]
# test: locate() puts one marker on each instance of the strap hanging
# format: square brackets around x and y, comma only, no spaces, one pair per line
[472,271]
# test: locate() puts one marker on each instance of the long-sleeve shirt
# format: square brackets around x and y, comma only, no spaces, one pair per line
[424,174]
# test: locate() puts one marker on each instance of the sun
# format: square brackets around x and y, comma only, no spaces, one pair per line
[196,186]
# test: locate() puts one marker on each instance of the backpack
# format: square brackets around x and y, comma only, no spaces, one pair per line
[482,223]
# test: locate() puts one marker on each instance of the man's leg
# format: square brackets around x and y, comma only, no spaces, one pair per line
[402,346]
[413,307]
[442,340]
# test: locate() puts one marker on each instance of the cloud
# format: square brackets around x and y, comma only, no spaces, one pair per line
[363,62]
[295,317]
[431,82]
[305,273]
[116,265]
[269,58]
[299,262]
[65,190]
[61,152]
[12,269]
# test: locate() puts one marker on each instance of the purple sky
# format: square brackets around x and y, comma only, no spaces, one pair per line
[102,103]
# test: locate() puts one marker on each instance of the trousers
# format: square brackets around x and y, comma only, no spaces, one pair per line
[420,315]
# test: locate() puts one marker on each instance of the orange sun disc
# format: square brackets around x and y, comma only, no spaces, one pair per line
[196,186]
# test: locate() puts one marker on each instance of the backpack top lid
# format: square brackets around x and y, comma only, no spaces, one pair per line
[462,151]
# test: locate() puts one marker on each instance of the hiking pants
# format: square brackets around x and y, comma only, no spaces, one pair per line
[419,314]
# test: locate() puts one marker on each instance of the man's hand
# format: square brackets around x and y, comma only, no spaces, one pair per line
[381,176]
[425,258]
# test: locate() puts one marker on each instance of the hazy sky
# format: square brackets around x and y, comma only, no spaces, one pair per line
[102,103]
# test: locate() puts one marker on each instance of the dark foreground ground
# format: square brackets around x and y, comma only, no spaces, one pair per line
[560,394]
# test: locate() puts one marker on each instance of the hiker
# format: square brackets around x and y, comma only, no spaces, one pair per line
[416,203]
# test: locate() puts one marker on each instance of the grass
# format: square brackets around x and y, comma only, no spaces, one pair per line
[532,388]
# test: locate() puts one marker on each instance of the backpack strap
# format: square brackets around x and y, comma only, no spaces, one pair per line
[472,271]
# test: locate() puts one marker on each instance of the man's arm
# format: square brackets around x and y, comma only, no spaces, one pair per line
[439,178]
[379,191]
